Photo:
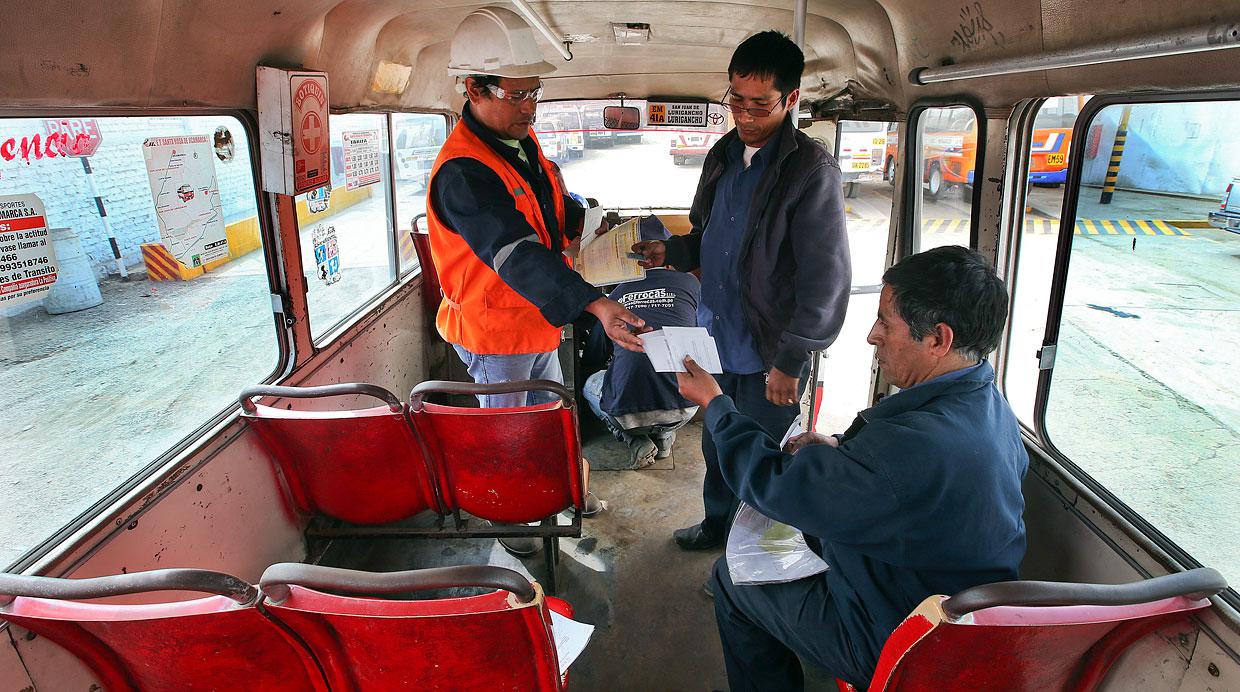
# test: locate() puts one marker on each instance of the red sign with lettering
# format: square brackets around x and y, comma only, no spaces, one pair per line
[82,132]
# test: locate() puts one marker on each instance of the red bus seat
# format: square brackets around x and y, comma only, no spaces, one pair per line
[214,643]
[361,466]
[506,465]
[1032,635]
[496,641]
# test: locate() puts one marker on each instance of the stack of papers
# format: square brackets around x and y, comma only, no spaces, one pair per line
[604,260]
[571,638]
[668,347]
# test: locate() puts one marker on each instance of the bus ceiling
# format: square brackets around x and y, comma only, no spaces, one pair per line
[393,53]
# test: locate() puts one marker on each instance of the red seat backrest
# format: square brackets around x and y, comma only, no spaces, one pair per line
[489,642]
[506,465]
[362,466]
[1029,647]
[211,643]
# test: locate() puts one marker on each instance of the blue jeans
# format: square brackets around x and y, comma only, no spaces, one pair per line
[592,392]
[490,368]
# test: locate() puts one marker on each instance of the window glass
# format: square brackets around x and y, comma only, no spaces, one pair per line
[948,147]
[347,234]
[1145,394]
[844,368]
[417,138]
[100,376]
[653,168]
[1048,155]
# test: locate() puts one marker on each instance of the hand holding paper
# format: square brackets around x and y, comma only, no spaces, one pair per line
[696,384]
[668,347]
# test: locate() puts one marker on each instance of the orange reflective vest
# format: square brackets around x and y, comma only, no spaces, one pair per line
[479,311]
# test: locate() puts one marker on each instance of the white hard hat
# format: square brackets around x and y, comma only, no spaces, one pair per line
[496,41]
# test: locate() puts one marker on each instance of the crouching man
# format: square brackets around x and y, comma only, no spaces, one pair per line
[920,496]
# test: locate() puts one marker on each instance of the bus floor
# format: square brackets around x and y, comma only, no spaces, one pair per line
[654,627]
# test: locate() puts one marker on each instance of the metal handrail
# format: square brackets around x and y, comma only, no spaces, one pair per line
[200,580]
[1202,582]
[418,395]
[277,579]
[346,389]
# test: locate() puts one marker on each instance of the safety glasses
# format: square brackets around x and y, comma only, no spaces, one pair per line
[516,96]
[755,112]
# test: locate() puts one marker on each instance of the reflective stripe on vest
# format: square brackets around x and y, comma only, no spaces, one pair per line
[480,312]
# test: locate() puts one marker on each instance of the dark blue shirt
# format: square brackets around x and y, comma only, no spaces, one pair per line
[720,310]
[665,298]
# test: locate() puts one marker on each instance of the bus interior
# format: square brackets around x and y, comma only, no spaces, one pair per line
[162,401]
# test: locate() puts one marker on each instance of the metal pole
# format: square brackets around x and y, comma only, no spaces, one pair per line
[1214,37]
[798,23]
[103,214]
[1117,153]
[532,16]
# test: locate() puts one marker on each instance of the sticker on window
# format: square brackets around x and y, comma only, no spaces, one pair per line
[186,194]
[27,262]
[318,201]
[361,158]
[326,253]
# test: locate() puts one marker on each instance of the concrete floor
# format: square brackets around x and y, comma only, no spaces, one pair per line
[655,629]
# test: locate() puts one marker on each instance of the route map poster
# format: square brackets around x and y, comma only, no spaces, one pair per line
[27,261]
[186,194]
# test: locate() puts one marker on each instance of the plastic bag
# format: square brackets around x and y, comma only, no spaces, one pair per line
[764,551]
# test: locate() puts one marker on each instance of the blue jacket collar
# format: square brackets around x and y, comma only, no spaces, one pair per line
[916,397]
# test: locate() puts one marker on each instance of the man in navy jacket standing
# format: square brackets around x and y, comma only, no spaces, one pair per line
[770,240]
[920,496]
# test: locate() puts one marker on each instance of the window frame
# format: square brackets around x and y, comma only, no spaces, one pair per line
[910,226]
[71,536]
[398,279]
[1054,317]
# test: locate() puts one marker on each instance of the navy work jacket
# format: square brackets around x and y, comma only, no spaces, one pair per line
[922,497]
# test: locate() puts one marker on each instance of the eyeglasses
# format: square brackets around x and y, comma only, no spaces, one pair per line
[755,112]
[516,96]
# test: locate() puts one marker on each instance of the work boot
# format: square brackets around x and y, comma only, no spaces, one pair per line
[593,505]
[642,452]
[664,443]
[695,538]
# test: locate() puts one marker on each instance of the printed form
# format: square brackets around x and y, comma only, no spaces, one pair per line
[668,347]
[607,259]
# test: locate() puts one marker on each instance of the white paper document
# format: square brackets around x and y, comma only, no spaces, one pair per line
[571,638]
[668,347]
[607,259]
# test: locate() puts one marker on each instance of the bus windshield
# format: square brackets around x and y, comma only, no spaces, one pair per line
[648,168]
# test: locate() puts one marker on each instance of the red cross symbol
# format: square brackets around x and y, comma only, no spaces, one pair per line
[311,132]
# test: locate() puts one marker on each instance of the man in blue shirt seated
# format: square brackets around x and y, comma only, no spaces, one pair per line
[641,407]
[920,496]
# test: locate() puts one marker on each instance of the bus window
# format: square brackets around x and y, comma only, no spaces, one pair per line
[1148,352]
[347,234]
[844,369]
[948,147]
[1048,165]
[99,376]
[416,139]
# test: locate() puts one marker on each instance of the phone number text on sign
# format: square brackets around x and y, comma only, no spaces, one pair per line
[27,262]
